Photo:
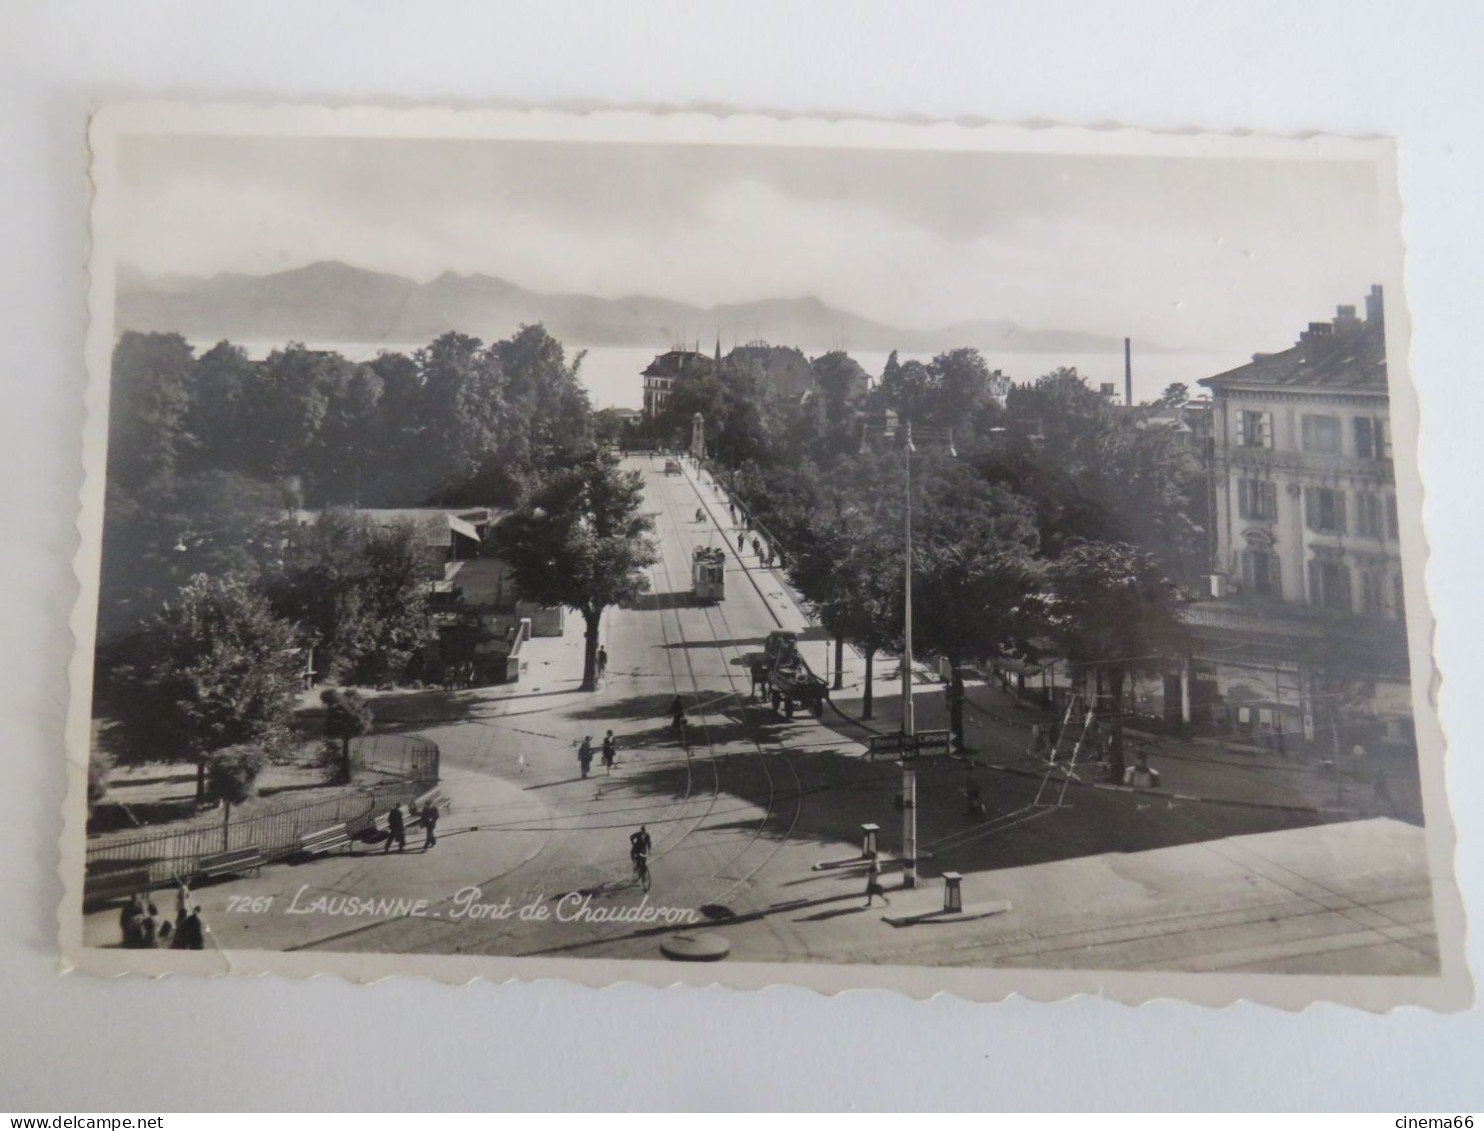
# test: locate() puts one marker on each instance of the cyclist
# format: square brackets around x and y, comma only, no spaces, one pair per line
[639,846]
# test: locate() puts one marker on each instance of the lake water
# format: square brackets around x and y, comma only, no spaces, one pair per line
[612,373]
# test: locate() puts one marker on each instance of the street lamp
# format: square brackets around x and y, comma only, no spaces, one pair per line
[909,714]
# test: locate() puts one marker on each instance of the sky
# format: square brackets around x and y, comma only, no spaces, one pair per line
[1188,253]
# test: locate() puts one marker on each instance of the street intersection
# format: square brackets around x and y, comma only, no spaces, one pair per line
[532,856]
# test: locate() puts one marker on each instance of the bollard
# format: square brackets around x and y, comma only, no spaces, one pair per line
[868,840]
[953,896]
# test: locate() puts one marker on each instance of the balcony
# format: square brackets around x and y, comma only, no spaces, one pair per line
[1311,463]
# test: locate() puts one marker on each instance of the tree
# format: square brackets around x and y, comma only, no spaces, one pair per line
[360,592]
[852,579]
[580,541]
[347,716]
[1101,474]
[231,779]
[842,385]
[1176,394]
[974,571]
[149,398]
[213,669]
[911,389]
[545,392]
[1112,611]
[221,380]
[470,436]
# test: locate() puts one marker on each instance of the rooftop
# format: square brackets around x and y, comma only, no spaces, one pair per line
[1346,353]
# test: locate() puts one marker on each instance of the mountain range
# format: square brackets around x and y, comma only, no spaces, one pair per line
[330,302]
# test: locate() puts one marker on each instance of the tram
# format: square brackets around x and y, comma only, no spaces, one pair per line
[708,575]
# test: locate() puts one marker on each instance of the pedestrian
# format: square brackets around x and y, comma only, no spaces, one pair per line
[610,751]
[741,541]
[395,830]
[873,882]
[428,819]
[732,507]
[768,557]
[192,933]
[130,921]
[757,548]
[1383,792]
[602,661]
[585,754]
[149,929]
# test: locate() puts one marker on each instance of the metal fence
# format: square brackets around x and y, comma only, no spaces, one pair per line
[408,756]
[410,762]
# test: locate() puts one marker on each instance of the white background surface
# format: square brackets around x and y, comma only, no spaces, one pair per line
[1411,70]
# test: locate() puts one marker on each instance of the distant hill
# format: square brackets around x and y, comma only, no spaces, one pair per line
[332,301]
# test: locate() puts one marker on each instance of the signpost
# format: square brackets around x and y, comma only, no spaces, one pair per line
[910,745]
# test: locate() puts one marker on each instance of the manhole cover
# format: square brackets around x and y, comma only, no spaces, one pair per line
[716,912]
[705,947]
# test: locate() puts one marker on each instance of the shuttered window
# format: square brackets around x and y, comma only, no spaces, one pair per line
[1321,434]
[1254,429]
[1370,438]
[1257,499]
[1368,515]
[1329,585]
[1260,573]
[1324,510]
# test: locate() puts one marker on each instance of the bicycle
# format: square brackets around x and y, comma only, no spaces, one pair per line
[641,870]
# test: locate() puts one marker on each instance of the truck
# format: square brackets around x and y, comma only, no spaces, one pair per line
[780,675]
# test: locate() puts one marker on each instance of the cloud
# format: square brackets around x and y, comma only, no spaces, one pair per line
[1189,253]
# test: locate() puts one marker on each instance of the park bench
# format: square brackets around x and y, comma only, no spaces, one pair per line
[331,839]
[120,883]
[230,863]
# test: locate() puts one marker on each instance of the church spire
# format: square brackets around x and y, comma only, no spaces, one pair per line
[718,348]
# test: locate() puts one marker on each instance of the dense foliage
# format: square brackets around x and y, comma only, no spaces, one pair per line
[581,541]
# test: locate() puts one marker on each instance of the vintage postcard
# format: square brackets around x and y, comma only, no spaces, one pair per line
[695,548]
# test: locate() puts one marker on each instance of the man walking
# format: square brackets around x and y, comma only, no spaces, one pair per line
[610,751]
[395,830]
[585,754]
[429,821]
[602,661]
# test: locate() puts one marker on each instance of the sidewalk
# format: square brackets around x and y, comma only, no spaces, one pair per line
[998,726]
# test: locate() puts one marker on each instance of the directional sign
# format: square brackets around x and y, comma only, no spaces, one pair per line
[933,741]
[885,743]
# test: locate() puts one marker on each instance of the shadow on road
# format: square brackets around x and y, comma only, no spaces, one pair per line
[654,602]
[747,642]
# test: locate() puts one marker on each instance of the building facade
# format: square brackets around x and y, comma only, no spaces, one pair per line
[662,373]
[1303,634]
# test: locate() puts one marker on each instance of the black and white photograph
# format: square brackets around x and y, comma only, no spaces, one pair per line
[704,548]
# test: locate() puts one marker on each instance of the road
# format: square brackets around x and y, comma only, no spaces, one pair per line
[532,858]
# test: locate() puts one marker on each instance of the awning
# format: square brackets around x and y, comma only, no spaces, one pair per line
[459,526]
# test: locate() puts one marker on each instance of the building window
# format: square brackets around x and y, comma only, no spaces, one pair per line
[1324,509]
[1257,499]
[1372,586]
[1321,434]
[1260,572]
[1254,429]
[1368,515]
[1391,525]
[1329,585]
[1370,439]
